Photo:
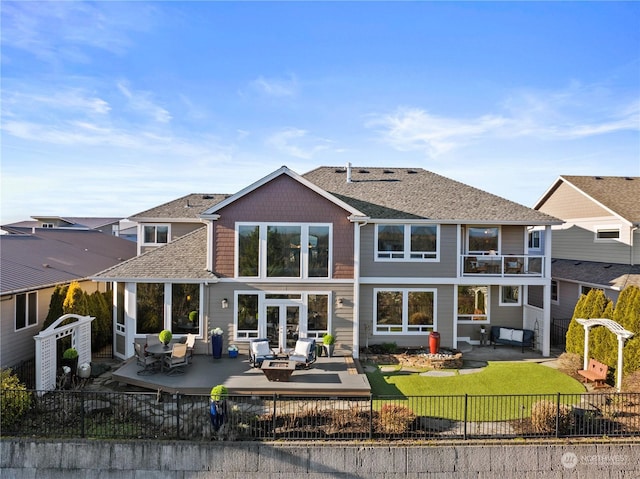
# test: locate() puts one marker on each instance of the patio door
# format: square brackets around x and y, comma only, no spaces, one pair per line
[283,324]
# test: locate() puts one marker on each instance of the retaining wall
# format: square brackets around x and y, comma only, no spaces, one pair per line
[24,458]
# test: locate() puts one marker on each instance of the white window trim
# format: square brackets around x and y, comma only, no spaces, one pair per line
[530,236]
[262,251]
[405,311]
[155,225]
[406,253]
[608,228]
[474,321]
[26,311]
[517,303]
[557,300]
[303,302]
[477,252]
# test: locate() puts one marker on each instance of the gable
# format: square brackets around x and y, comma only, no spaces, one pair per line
[567,202]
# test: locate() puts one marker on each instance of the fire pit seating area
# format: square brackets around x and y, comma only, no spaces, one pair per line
[511,337]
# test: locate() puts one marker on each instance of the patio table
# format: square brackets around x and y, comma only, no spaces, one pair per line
[160,350]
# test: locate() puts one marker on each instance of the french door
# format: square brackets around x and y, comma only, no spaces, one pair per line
[283,323]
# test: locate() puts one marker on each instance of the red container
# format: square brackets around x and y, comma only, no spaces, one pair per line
[434,342]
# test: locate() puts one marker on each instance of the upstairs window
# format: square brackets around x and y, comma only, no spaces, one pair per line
[156,234]
[483,240]
[406,242]
[283,250]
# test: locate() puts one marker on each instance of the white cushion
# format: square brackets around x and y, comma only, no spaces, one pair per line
[302,348]
[506,334]
[261,348]
[517,336]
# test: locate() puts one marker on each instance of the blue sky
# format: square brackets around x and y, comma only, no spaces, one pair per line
[110,108]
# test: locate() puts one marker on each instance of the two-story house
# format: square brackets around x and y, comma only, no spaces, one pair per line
[372,255]
[598,246]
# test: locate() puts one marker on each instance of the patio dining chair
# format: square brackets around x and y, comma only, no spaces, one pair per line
[190,342]
[148,363]
[152,339]
[177,360]
[304,354]
[259,350]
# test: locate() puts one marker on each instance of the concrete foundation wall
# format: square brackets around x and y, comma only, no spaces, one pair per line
[24,458]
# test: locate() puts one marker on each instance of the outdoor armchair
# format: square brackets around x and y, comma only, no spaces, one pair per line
[148,363]
[176,362]
[259,350]
[304,353]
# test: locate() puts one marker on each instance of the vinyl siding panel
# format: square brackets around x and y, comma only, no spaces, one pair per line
[512,241]
[444,318]
[579,243]
[567,202]
[446,267]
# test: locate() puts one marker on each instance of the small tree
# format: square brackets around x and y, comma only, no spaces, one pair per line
[76,300]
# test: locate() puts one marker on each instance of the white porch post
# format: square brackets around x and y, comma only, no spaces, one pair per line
[546,293]
[585,359]
[619,368]
[356,289]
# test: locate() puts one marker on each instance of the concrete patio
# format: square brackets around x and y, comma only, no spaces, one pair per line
[326,377]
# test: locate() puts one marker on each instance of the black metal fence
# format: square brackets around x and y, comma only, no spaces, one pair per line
[559,328]
[114,415]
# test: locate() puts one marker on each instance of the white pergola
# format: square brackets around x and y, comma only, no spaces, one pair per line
[80,332]
[616,329]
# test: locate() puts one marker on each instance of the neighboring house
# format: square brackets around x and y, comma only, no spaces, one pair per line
[165,223]
[104,225]
[598,246]
[372,255]
[32,264]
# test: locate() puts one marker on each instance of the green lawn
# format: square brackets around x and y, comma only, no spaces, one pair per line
[510,380]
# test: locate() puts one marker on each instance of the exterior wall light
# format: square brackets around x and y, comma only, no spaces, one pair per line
[225,303]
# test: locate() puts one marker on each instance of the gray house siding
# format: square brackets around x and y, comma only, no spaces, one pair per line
[446,267]
[579,243]
[512,239]
[444,326]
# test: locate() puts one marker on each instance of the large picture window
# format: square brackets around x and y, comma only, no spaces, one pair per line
[473,303]
[26,310]
[150,308]
[247,316]
[483,240]
[283,250]
[185,305]
[406,242]
[404,311]
[317,315]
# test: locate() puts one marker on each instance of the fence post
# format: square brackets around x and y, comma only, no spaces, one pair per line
[370,416]
[274,423]
[466,401]
[558,416]
[82,415]
[178,415]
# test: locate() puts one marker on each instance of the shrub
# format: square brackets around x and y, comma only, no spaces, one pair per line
[543,417]
[165,336]
[76,300]
[395,419]
[569,363]
[389,348]
[70,353]
[193,316]
[15,398]
[328,339]
[219,392]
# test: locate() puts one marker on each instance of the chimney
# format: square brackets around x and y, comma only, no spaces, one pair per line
[349,172]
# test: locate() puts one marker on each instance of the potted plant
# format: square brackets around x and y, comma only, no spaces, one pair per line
[165,337]
[218,406]
[216,343]
[328,341]
[70,358]
[233,351]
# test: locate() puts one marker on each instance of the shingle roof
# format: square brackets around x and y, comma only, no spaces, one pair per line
[186,207]
[591,272]
[620,194]
[185,258]
[51,256]
[398,193]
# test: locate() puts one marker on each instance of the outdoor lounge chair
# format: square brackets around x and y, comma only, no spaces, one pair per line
[259,350]
[190,342]
[178,359]
[148,363]
[305,353]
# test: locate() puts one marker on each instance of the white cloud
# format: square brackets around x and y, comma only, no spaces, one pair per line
[276,87]
[141,102]
[574,113]
[297,143]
